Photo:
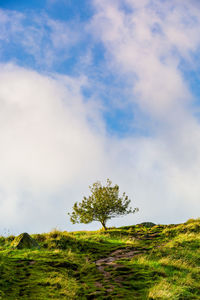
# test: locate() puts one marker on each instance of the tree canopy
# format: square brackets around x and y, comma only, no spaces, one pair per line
[103,204]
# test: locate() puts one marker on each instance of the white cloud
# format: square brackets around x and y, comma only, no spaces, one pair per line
[47,143]
[10,23]
[148,44]
[46,40]
[147,41]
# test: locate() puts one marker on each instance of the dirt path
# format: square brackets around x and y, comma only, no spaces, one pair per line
[116,255]
[112,260]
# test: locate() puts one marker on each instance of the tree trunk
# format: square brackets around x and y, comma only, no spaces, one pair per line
[104,225]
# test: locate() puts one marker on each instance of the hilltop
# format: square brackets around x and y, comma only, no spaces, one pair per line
[132,262]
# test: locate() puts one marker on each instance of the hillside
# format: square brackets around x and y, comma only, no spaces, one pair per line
[134,262]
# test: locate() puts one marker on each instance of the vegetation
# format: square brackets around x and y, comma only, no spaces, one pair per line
[133,262]
[103,204]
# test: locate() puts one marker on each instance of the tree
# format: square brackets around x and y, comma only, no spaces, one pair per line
[103,204]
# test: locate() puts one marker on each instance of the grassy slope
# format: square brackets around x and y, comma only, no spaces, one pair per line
[165,264]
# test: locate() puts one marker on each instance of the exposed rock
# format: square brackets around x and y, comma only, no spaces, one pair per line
[24,241]
[147,224]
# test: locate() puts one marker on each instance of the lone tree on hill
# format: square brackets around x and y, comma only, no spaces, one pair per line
[103,204]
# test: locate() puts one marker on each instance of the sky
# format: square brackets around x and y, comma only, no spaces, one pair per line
[98,89]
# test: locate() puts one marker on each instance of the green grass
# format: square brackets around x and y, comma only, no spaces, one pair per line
[166,264]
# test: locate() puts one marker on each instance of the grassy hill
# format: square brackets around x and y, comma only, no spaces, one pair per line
[134,262]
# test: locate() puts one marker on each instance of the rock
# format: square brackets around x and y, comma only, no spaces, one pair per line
[147,224]
[25,241]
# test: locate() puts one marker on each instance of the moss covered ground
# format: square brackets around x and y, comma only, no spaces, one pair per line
[133,262]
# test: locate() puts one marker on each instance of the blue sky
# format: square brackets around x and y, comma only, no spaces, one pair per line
[97,89]
[62,10]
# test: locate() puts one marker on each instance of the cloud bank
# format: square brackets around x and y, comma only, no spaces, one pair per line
[48,144]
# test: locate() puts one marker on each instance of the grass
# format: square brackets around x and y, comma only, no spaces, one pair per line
[161,262]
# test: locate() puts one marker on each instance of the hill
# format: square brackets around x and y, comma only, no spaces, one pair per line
[134,262]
